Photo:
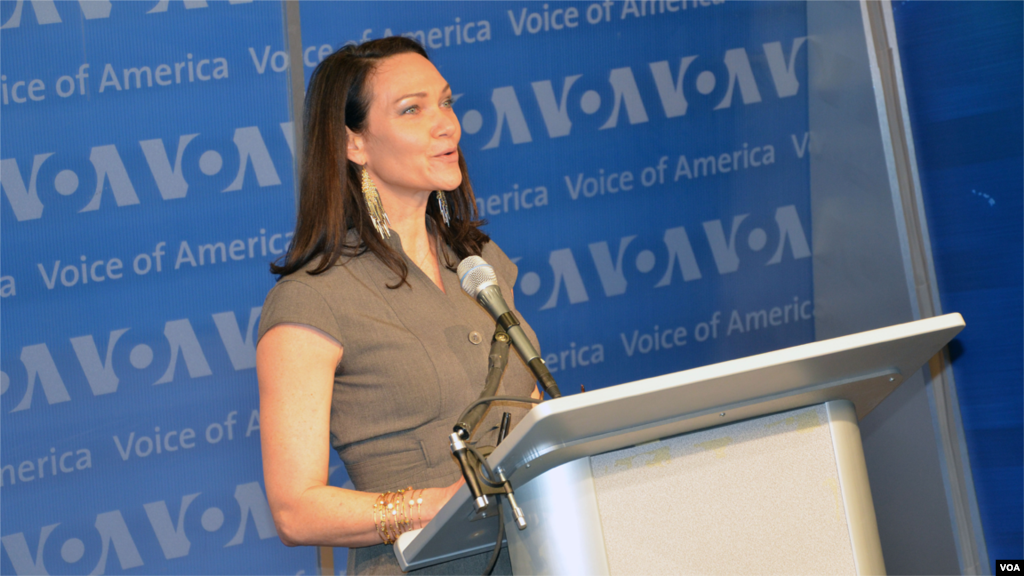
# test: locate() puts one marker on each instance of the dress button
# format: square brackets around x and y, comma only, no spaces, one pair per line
[475,337]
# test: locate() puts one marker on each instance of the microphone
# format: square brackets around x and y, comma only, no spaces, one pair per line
[479,281]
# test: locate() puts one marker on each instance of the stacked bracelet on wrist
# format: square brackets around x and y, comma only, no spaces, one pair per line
[392,513]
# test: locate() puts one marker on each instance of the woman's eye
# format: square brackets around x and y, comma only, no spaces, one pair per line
[448,103]
[409,110]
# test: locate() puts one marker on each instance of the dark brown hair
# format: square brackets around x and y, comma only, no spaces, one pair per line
[330,195]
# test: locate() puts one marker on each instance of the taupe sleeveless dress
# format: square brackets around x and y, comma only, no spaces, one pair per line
[414,358]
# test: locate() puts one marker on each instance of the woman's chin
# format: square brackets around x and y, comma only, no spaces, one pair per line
[450,183]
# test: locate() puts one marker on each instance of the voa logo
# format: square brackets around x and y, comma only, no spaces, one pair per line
[115,537]
[672,82]
[108,171]
[46,12]
[676,257]
[181,344]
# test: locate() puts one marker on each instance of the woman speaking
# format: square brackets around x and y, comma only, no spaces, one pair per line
[367,341]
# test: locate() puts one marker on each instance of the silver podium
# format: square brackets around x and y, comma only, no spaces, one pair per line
[749,466]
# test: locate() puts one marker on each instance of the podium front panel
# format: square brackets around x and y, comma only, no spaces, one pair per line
[755,497]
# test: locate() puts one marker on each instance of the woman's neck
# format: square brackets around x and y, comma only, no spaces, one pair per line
[408,217]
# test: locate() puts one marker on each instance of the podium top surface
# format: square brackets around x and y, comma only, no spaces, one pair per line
[863,368]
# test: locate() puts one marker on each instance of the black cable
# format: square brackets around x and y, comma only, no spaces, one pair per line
[479,401]
[497,359]
[501,536]
[501,512]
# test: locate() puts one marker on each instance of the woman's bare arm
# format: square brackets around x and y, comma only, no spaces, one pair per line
[295,366]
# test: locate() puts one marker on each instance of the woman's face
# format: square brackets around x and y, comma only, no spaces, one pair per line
[410,144]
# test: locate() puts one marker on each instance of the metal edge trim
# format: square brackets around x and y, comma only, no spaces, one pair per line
[914,233]
[599,525]
[854,487]
[297,86]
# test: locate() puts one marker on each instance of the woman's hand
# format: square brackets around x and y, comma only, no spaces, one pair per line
[435,498]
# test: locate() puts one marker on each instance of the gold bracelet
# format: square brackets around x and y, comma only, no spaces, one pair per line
[409,503]
[389,512]
[395,506]
[403,516]
[407,511]
[380,518]
[392,513]
[419,508]
[388,506]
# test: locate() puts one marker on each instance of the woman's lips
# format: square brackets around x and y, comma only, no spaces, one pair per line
[449,156]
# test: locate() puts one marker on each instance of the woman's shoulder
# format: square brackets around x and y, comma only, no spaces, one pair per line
[313,299]
[338,272]
[306,277]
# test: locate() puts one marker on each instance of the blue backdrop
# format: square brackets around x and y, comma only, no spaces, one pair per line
[147,178]
[645,163]
[964,75]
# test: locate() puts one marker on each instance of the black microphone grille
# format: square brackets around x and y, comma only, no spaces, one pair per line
[475,274]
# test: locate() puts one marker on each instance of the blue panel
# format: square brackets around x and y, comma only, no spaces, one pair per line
[147,182]
[964,76]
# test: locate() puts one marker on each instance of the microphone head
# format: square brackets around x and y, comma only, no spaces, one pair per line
[475,274]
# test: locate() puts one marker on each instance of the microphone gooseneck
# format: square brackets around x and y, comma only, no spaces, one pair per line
[496,362]
[479,281]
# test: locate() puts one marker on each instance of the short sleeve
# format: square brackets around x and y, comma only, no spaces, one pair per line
[292,302]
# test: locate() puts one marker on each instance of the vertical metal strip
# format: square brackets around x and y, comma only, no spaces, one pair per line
[854,487]
[325,559]
[880,29]
[946,411]
[297,85]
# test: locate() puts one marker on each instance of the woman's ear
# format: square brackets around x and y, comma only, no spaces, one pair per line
[355,149]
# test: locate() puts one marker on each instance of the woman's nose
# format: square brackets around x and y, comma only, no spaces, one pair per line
[446,123]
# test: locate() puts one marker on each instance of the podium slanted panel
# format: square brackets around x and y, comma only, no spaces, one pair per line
[749,466]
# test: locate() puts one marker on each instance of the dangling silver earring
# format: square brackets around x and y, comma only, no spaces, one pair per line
[443,205]
[374,207]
